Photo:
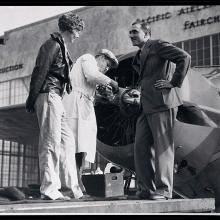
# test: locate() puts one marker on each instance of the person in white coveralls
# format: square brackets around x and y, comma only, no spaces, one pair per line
[88,72]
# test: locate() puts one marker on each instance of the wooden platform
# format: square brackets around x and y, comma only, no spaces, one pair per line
[114,206]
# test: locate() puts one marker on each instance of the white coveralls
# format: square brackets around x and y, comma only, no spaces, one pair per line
[79,106]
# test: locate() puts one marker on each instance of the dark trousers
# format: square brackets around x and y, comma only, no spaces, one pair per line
[154,152]
[79,166]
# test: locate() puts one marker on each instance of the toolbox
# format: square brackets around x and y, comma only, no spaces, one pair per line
[104,185]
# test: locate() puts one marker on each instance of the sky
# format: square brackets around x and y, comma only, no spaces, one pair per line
[12,17]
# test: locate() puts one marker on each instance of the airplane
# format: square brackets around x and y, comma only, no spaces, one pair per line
[196,132]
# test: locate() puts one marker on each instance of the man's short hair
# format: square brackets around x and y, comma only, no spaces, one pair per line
[70,21]
[144,25]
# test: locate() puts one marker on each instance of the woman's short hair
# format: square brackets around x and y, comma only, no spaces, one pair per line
[70,21]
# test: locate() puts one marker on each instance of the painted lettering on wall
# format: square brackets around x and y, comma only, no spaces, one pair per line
[11,68]
[191,9]
[158,17]
[201,22]
[184,11]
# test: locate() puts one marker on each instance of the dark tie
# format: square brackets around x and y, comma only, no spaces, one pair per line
[138,58]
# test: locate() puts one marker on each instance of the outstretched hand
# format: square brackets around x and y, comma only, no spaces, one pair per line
[114,86]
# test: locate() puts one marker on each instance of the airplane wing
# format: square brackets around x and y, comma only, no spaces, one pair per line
[18,125]
[194,114]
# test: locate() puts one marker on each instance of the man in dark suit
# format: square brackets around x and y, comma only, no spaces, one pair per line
[158,79]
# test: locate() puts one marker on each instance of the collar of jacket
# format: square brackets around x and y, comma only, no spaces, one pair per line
[57,36]
[144,50]
[147,44]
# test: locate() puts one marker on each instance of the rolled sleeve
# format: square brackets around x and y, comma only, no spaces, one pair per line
[91,70]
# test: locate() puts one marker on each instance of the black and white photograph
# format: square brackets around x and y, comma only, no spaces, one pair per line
[110,110]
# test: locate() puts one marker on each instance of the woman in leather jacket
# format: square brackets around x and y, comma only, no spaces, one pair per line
[49,80]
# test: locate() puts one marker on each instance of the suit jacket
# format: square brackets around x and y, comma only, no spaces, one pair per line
[157,61]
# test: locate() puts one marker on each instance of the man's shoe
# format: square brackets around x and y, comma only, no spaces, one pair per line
[44,197]
[157,197]
[86,198]
[83,197]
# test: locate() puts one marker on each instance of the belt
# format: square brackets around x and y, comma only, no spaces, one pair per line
[78,89]
[57,91]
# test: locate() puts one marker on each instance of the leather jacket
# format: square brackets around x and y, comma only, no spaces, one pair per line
[51,71]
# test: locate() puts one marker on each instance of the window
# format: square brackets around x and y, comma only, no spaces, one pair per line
[14,91]
[178,45]
[18,91]
[216,49]
[207,60]
[187,46]
[4,93]
[204,51]
[18,164]
[31,164]
[14,171]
